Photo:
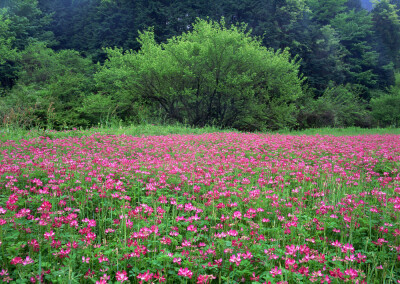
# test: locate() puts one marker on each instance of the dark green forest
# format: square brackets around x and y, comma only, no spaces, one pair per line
[246,64]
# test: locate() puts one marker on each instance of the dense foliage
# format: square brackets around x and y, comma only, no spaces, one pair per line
[211,75]
[335,45]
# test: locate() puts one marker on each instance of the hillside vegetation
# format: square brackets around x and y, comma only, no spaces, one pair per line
[249,65]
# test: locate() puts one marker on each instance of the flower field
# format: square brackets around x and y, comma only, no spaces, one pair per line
[210,208]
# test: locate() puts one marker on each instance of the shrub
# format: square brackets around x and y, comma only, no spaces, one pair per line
[386,109]
[386,106]
[212,75]
[339,106]
[54,84]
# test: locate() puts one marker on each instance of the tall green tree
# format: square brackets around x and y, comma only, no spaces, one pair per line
[323,11]
[324,61]
[8,53]
[22,23]
[387,26]
[27,22]
[355,29]
[354,4]
[90,25]
[322,52]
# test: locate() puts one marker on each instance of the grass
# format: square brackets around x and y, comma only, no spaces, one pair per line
[160,130]
[349,131]
[132,130]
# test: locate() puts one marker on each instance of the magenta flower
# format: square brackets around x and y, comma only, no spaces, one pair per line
[351,272]
[235,259]
[275,271]
[48,235]
[27,261]
[186,243]
[336,244]
[16,260]
[237,214]
[205,279]
[46,206]
[185,272]
[121,276]
[147,276]
[103,258]
[177,260]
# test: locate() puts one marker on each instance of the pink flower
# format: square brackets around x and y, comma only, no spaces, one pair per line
[275,271]
[347,247]
[204,279]
[247,255]
[16,260]
[145,276]
[48,235]
[7,279]
[235,259]
[46,206]
[102,258]
[121,276]
[237,214]
[185,272]
[255,278]
[232,233]
[192,228]
[27,261]
[177,260]
[351,272]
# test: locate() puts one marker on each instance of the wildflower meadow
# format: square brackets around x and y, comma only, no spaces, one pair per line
[209,208]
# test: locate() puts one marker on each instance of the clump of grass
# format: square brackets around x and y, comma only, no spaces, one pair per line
[348,131]
[17,134]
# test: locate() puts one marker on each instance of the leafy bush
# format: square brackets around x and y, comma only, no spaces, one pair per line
[55,84]
[212,75]
[339,106]
[386,106]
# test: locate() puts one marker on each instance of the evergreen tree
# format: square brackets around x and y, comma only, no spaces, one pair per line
[323,11]
[324,61]
[22,23]
[27,22]
[356,35]
[387,26]
[8,53]
[354,4]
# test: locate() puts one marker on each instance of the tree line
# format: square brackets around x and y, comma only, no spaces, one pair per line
[251,65]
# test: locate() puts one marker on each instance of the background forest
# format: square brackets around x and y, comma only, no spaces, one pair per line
[245,64]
